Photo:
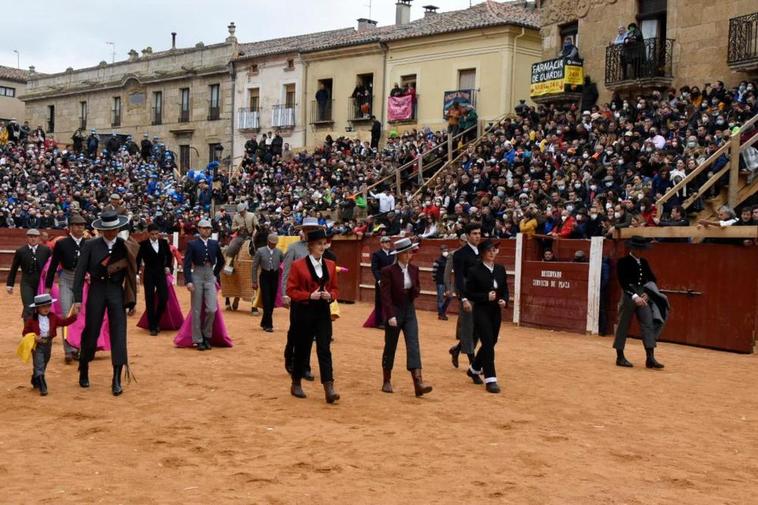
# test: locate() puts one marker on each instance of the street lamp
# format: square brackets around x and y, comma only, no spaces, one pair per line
[18,59]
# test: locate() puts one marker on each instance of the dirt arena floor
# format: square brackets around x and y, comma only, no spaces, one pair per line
[221,427]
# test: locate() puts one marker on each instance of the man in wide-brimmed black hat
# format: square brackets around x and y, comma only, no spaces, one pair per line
[66,254]
[640,297]
[113,287]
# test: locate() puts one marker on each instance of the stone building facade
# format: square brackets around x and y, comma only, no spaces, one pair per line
[183,96]
[689,38]
[12,84]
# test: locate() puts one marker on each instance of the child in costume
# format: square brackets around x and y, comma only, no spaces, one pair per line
[43,325]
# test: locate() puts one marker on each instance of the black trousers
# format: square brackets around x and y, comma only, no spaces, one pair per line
[408,324]
[378,314]
[289,347]
[487,319]
[269,281]
[105,296]
[312,320]
[156,296]
[28,290]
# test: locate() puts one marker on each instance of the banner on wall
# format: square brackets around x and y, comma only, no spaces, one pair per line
[464,97]
[400,108]
[552,76]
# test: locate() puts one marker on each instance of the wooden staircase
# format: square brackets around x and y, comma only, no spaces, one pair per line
[712,205]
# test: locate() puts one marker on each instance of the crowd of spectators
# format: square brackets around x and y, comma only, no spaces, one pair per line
[546,170]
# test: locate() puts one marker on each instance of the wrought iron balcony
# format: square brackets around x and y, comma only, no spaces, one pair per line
[360,109]
[214,113]
[742,53]
[184,116]
[321,112]
[640,65]
[248,119]
[283,116]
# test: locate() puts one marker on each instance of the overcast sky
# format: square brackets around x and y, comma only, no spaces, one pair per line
[53,35]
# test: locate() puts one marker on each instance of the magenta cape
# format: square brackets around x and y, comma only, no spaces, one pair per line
[172,318]
[73,333]
[220,337]
[371,321]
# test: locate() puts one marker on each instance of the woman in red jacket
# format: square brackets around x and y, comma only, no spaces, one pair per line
[311,286]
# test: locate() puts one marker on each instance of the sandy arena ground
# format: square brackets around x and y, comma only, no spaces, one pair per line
[221,426]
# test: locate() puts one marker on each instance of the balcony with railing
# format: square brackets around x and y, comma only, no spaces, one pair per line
[214,113]
[402,109]
[647,64]
[157,115]
[115,119]
[248,119]
[360,109]
[321,112]
[283,116]
[184,116]
[742,53]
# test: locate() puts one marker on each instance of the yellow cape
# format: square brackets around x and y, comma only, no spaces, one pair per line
[25,347]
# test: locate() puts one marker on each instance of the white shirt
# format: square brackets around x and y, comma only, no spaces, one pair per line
[317,265]
[386,202]
[728,222]
[77,240]
[44,325]
[492,271]
[475,248]
[155,245]
[34,249]
[406,276]
[110,243]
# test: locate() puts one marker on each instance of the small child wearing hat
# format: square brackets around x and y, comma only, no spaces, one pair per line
[43,324]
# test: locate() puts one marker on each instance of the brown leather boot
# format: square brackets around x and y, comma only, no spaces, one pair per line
[418,383]
[387,386]
[297,390]
[329,393]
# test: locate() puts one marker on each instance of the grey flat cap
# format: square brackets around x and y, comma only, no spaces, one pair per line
[32,232]
[204,223]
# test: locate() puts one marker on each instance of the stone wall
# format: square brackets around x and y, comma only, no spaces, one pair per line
[135,83]
[12,107]
[699,28]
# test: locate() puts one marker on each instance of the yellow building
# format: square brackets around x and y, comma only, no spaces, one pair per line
[12,84]
[486,50]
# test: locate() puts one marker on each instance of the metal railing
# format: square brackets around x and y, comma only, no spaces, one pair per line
[321,112]
[743,40]
[648,59]
[157,116]
[115,120]
[733,148]
[283,116]
[248,119]
[184,116]
[414,111]
[214,113]
[360,109]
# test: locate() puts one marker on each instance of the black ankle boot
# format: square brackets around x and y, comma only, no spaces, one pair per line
[84,374]
[42,385]
[116,384]
[621,359]
[651,362]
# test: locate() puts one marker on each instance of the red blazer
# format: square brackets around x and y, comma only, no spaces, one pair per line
[300,283]
[392,290]
[31,325]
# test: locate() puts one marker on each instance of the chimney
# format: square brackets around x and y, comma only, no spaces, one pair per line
[173,40]
[430,10]
[133,55]
[366,24]
[403,12]
[231,39]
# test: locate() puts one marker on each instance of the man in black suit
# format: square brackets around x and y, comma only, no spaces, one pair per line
[463,259]
[31,259]
[380,259]
[156,255]
[113,285]
[486,288]
[66,254]
[268,259]
[634,274]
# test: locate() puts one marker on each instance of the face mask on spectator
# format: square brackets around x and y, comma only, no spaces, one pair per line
[617,215]
[593,215]
[642,208]
[691,144]
[563,218]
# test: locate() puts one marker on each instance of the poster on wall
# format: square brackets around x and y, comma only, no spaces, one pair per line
[465,97]
[553,76]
